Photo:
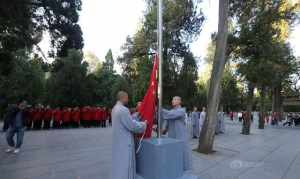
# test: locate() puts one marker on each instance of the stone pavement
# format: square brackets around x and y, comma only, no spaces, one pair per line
[272,153]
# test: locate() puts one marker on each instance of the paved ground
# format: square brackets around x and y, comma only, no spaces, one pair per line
[273,153]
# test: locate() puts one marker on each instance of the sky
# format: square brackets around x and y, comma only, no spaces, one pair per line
[106,24]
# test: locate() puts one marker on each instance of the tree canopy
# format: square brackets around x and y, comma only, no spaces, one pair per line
[182,23]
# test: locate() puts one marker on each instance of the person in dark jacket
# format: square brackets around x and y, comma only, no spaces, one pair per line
[9,112]
[16,122]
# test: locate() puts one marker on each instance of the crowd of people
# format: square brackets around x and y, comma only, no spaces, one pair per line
[40,117]
[197,121]
[270,118]
[21,116]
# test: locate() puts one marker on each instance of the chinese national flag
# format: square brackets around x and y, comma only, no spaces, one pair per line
[147,108]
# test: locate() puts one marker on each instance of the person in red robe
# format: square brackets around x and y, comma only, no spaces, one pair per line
[57,118]
[76,117]
[35,117]
[93,116]
[30,118]
[86,116]
[109,117]
[98,116]
[38,117]
[102,117]
[106,116]
[43,113]
[90,116]
[66,118]
[48,117]
[82,119]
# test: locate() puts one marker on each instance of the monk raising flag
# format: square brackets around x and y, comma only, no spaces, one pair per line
[147,109]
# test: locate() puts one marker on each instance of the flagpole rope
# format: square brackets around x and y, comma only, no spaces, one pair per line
[140,142]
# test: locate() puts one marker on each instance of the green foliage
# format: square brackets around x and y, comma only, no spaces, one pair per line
[93,61]
[67,86]
[108,65]
[258,40]
[187,80]
[106,81]
[182,23]
[200,99]
[72,85]
[22,23]
[26,80]
[230,93]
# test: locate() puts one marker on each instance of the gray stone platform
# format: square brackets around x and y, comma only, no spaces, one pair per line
[273,153]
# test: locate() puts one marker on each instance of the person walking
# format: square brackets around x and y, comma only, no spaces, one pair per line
[16,127]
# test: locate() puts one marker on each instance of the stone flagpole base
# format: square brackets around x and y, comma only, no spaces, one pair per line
[161,158]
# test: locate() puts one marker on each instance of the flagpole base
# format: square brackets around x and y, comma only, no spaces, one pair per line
[161,158]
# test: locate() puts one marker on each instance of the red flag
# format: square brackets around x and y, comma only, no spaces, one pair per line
[147,108]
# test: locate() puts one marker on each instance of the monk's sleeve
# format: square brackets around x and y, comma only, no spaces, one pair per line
[136,117]
[132,125]
[173,114]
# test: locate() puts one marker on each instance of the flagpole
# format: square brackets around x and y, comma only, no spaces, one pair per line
[159,41]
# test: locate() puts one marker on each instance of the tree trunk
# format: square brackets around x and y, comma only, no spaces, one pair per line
[262,112]
[277,101]
[207,135]
[247,121]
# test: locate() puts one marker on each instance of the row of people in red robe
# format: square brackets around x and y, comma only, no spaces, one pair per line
[46,118]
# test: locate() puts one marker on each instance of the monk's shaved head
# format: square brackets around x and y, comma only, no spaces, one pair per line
[122,96]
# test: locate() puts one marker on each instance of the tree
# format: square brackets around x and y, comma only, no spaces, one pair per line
[25,81]
[259,43]
[182,23]
[109,61]
[187,80]
[285,65]
[23,22]
[200,99]
[230,93]
[67,86]
[206,139]
[93,61]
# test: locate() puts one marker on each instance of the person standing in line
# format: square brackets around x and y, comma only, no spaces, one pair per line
[220,126]
[57,115]
[75,119]
[195,116]
[66,117]
[106,116]
[47,117]
[98,116]
[222,122]
[30,117]
[38,117]
[202,118]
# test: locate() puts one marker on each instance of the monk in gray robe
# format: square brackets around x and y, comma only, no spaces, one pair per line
[123,149]
[202,118]
[195,123]
[222,122]
[177,129]
[218,123]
